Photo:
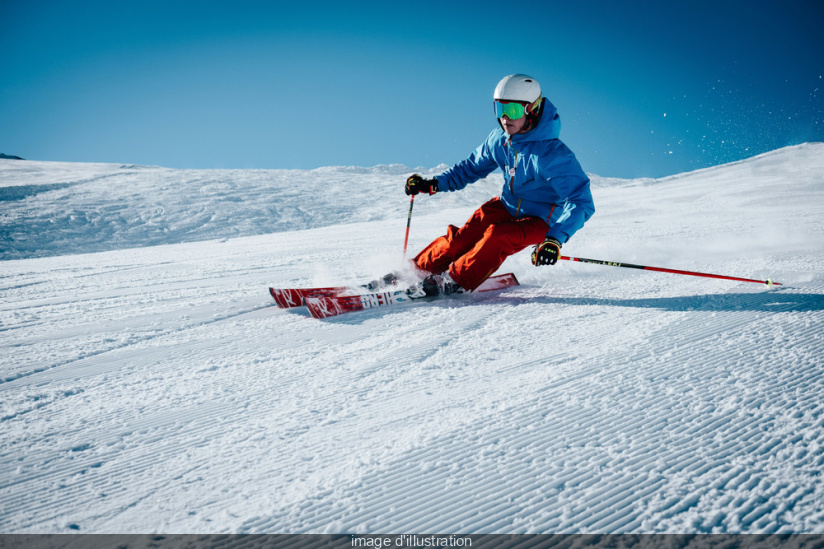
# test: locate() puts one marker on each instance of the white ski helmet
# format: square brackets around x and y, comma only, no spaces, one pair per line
[518,87]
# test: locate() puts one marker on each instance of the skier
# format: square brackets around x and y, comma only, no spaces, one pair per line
[545,198]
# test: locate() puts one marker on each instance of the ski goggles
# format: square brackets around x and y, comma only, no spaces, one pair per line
[513,110]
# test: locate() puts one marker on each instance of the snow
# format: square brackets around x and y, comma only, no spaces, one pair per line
[148,383]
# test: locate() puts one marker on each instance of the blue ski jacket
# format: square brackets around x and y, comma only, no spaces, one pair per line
[542,177]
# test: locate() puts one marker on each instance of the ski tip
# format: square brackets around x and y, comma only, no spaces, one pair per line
[312,306]
[770,283]
[287,298]
[276,295]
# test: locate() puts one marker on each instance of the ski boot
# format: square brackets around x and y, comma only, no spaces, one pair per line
[436,284]
[385,281]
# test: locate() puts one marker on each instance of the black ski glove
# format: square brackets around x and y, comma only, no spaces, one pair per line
[417,184]
[547,252]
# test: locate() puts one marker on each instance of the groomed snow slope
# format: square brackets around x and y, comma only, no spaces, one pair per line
[157,389]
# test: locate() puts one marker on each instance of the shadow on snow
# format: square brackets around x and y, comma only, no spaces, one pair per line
[774,301]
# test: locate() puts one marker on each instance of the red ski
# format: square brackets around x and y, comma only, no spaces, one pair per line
[326,306]
[287,298]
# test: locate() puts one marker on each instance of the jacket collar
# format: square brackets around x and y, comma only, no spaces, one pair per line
[547,128]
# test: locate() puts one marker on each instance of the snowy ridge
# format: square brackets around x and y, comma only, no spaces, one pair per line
[54,208]
[158,389]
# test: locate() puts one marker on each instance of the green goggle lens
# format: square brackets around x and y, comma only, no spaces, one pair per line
[512,110]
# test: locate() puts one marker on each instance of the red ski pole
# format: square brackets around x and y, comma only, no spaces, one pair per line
[408,223]
[768,282]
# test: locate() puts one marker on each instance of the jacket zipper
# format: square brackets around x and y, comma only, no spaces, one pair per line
[512,178]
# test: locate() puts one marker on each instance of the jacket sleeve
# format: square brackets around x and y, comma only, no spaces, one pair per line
[479,164]
[572,214]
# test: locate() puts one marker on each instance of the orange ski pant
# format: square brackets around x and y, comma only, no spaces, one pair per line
[474,252]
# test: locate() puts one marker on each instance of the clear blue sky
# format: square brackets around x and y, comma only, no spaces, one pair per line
[644,88]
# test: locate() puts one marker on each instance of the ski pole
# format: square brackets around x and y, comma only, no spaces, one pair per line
[768,282]
[408,223]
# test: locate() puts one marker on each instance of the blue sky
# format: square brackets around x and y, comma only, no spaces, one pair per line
[644,88]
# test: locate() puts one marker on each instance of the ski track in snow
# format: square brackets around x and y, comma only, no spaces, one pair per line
[158,389]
